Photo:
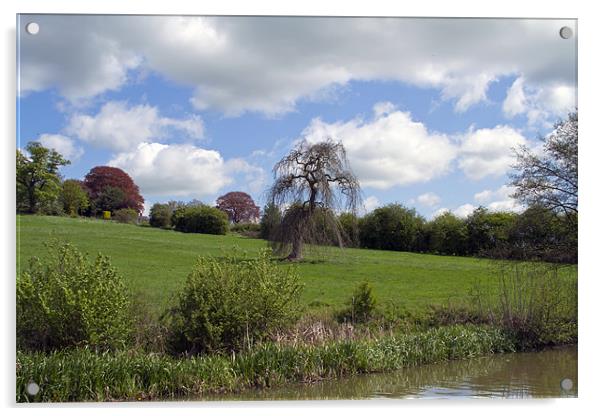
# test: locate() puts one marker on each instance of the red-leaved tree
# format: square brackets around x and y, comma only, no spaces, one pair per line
[101,177]
[239,206]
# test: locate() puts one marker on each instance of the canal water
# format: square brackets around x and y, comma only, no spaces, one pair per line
[545,374]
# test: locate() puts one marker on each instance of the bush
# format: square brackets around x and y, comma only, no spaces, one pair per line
[126,216]
[361,305]
[160,216]
[247,229]
[69,301]
[392,227]
[231,303]
[536,303]
[270,220]
[200,219]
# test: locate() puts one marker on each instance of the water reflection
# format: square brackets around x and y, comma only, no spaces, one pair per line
[519,375]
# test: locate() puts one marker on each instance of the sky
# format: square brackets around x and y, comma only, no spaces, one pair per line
[428,110]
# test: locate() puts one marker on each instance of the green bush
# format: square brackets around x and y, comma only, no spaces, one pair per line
[160,216]
[200,219]
[231,303]
[361,306]
[247,229]
[67,301]
[126,216]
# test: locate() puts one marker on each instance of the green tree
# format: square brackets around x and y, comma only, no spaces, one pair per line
[270,220]
[73,197]
[392,227]
[488,230]
[111,199]
[38,179]
[160,216]
[448,235]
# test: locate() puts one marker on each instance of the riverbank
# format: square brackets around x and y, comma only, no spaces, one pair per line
[83,375]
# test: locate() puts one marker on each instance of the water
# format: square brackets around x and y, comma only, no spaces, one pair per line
[517,375]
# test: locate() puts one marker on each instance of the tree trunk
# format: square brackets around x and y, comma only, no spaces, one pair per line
[297,251]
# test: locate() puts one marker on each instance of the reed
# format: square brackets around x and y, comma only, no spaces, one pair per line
[85,375]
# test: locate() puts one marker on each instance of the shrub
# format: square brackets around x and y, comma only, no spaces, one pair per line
[126,216]
[535,303]
[200,219]
[160,216]
[270,220]
[392,227]
[69,301]
[231,303]
[247,229]
[361,305]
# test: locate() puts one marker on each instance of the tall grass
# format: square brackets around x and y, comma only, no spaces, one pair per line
[536,303]
[83,375]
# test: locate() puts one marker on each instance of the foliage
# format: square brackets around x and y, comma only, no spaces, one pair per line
[448,235]
[200,219]
[231,303]
[160,216]
[392,227]
[541,234]
[487,230]
[311,177]
[551,179]
[536,303]
[361,306]
[69,301]
[350,229]
[126,216]
[74,198]
[270,220]
[239,206]
[38,179]
[247,229]
[109,199]
[101,177]
[82,375]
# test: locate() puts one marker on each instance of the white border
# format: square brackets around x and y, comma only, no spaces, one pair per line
[589,286]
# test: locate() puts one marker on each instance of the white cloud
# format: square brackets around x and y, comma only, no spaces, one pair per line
[439,212]
[540,104]
[267,64]
[488,152]
[62,144]
[464,211]
[371,203]
[390,149]
[180,169]
[499,199]
[429,199]
[120,127]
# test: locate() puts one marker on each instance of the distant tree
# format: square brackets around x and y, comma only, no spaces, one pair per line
[38,179]
[350,228]
[101,177]
[160,216]
[541,234]
[73,197]
[270,220]
[550,179]
[488,230]
[110,199]
[392,227]
[448,235]
[239,206]
[311,176]
[200,219]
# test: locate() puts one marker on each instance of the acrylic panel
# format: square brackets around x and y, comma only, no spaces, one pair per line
[295,208]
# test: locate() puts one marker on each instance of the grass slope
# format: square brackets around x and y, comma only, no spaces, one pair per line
[155,263]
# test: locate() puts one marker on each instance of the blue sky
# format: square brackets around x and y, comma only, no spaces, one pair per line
[194,107]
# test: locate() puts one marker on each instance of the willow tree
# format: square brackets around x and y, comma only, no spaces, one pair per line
[312,182]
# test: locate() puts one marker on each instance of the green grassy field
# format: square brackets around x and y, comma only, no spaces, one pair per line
[155,263]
